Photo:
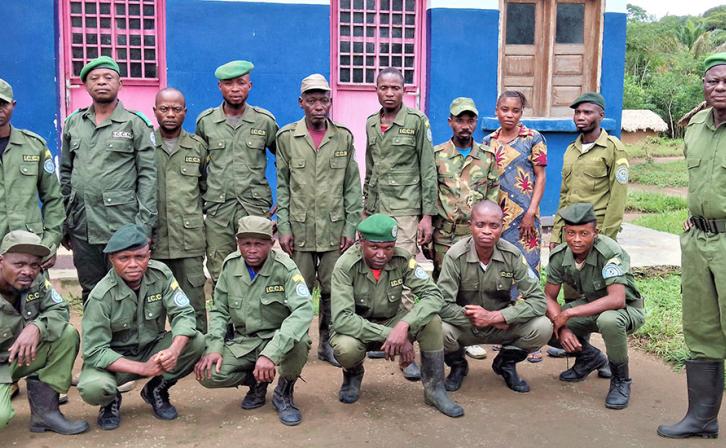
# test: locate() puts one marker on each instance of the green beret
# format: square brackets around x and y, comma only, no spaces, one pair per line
[589,97]
[714,60]
[99,62]
[578,213]
[233,69]
[378,228]
[129,236]
[254,227]
[461,105]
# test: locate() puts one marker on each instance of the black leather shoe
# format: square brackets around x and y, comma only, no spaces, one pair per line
[109,416]
[505,364]
[255,397]
[156,393]
[619,393]
[282,401]
[459,369]
[587,361]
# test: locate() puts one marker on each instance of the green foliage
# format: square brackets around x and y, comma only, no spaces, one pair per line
[668,174]
[652,147]
[634,95]
[646,202]
[670,222]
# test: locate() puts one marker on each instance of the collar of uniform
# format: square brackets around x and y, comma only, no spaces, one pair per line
[710,121]
[159,140]
[241,269]
[473,257]
[451,151]
[16,137]
[5,306]
[602,140]
[301,130]
[400,119]
[126,291]
[219,115]
[118,114]
[185,140]
[591,259]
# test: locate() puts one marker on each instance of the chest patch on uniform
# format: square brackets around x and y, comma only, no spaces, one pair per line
[621,174]
[153,298]
[507,274]
[397,282]
[181,299]
[30,158]
[341,153]
[192,159]
[260,132]
[275,288]
[420,273]
[611,270]
[32,296]
[122,134]
[407,131]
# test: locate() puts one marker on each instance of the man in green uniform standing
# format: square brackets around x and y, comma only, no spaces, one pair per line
[181,164]
[237,134]
[107,171]
[476,281]
[598,270]
[36,340]
[367,285]
[318,195]
[124,330]
[263,296]
[703,254]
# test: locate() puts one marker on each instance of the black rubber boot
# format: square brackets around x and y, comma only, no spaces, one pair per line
[432,376]
[109,416]
[619,393]
[411,372]
[255,397]
[705,392]
[156,393]
[605,372]
[587,360]
[44,413]
[325,351]
[459,369]
[505,364]
[282,401]
[350,389]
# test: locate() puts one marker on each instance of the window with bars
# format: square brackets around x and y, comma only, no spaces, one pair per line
[374,34]
[125,30]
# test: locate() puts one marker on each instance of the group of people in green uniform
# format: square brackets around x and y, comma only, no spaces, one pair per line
[141,209]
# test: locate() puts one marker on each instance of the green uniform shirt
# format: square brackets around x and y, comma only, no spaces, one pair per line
[237,157]
[41,306]
[360,303]
[118,321]
[318,190]
[600,177]
[463,281]
[464,181]
[706,160]
[107,173]
[400,169]
[274,308]
[27,174]
[182,181]
[605,265]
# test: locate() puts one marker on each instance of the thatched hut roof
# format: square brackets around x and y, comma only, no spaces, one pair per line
[642,120]
[683,122]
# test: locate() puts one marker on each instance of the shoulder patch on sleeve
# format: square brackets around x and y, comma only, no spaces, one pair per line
[181,299]
[622,174]
[420,273]
[302,290]
[55,297]
[412,263]
[143,117]
[611,270]
[298,278]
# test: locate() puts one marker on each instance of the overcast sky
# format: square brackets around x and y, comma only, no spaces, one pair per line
[660,8]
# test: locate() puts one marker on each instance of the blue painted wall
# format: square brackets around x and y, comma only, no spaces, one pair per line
[613,67]
[28,51]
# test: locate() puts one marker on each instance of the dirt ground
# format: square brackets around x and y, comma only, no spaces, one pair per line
[391,413]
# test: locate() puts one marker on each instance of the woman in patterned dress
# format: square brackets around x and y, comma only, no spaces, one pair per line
[521,155]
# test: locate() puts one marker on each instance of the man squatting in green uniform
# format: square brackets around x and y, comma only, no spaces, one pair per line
[318,195]
[181,169]
[476,282]
[703,254]
[107,171]
[598,271]
[262,294]
[236,134]
[367,286]
[36,340]
[124,330]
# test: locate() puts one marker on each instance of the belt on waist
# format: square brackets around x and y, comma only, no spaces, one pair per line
[708,225]
[457,228]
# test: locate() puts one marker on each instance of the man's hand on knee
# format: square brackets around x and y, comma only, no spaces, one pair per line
[264,370]
[203,367]
[396,340]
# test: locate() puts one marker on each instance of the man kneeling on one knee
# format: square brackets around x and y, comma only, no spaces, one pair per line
[263,296]
[599,270]
[476,279]
[367,286]
[124,330]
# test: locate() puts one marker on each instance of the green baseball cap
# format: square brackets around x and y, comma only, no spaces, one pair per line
[378,228]
[22,242]
[233,69]
[128,236]
[254,227]
[714,60]
[6,91]
[314,82]
[462,104]
[589,97]
[578,213]
[99,62]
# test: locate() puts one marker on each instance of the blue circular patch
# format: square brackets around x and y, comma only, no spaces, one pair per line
[420,273]
[302,290]
[621,174]
[49,166]
[611,270]
[181,299]
[55,297]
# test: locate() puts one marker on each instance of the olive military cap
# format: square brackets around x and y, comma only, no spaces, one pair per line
[378,228]
[589,97]
[462,104]
[315,81]
[129,236]
[233,69]
[6,91]
[714,60]
[254,227]
[99,62]
[22,242]
[578,213]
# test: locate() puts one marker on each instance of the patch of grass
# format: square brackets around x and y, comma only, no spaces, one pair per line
[668,174]
[653,147]
[647,202]
[671,222]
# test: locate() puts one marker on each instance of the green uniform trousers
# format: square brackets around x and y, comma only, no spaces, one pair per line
[528,336]
[351,352]
[703,282]
[316,266]
[238,371]
[407,238]
[91,264]
[99,386]
[613,325]
[189,273]
[53,365]
[221,227]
